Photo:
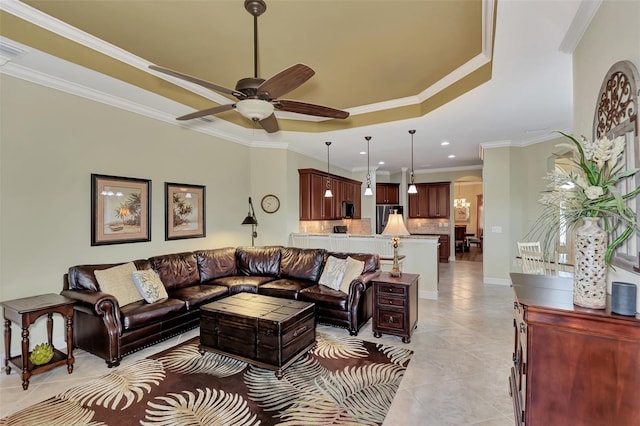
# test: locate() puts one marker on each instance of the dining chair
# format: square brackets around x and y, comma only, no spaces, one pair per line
[300,240]
[384,248]
[531,258]
[339,242]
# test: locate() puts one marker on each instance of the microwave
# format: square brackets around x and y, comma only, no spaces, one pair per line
[348,210]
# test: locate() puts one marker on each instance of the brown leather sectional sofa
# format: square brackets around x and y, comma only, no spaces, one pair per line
[191,279]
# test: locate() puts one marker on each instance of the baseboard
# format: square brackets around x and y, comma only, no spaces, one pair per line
[433,295]
[497,281]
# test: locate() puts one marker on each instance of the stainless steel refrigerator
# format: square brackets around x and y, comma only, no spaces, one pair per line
[382,215]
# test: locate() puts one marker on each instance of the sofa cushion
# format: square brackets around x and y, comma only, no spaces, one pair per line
[118,281]
[216,263]
[258,260]
[176,270]
[333,272]
[284,287]
[239,284]
[199,294]
[301,263]
[371,261]
[322,295]
[354,270]
[139,314]
[149,285]
[82,277]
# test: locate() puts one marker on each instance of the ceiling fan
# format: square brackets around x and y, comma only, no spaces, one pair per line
[258,98]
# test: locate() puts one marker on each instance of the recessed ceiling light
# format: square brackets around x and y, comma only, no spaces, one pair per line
[381,162]
[451,156]
[444,143]
[363,152]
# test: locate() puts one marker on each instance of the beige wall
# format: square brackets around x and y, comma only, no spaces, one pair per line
[614,35]
[51,142]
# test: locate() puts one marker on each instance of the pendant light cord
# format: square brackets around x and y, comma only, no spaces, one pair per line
[411,132]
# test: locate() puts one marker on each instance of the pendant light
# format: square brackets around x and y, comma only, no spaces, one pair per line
[412,186]
[328,193]
[368,191]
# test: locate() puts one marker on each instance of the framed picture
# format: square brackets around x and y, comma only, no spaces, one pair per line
[184,211]
[461,214]
[120,210]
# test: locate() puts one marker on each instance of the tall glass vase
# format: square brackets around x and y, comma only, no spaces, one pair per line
[590,269]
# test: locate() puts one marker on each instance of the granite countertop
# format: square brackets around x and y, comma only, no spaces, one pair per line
[412,236]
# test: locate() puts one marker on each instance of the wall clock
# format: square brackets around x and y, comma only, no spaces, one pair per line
[270,203]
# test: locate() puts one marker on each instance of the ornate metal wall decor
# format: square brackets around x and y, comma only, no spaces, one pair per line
[617,115]
[618,100]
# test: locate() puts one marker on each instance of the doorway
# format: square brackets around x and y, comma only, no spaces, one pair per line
[468,219]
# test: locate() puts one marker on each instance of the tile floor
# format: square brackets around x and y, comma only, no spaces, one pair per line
[457,376]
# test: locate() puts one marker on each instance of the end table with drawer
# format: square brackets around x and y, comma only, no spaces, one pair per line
[395,305]
[25,312]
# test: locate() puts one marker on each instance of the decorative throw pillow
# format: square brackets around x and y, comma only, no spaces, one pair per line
[149,285]
[118,282]
[354,269]
[333,272]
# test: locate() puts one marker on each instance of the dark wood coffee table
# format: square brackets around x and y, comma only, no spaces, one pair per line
[266,331]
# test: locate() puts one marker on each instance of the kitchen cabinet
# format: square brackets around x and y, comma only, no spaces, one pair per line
[387,193]
[445,247]
[315,206]
[571,365]
[431,201]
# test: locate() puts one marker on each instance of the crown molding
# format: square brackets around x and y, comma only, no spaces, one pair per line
[586,11]
[449,169]
[65,30]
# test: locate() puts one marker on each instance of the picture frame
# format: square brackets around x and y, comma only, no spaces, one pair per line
[461,214]
[120,210]
[185,215]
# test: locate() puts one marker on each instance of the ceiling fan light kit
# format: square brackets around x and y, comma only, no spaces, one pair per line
[257,98]
[254,109]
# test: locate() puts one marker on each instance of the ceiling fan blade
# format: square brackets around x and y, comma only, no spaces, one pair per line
[208,111]
[270,124]
[285,81]
[198,81]
[309,109]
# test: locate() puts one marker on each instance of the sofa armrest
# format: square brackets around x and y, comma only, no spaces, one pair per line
[358,287]
[101,304]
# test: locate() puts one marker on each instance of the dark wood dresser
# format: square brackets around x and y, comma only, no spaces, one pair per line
[395,305]
[572,366]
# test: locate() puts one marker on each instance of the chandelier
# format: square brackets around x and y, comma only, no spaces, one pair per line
[461,203]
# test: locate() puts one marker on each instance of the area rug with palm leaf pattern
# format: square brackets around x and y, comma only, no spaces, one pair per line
[343,380]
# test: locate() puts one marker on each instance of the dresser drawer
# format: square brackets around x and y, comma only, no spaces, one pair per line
[390,301]
[390,319]
[386,288]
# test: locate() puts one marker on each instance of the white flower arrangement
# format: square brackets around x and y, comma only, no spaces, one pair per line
[589,190]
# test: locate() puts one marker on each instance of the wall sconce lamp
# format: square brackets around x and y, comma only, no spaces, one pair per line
[251,220]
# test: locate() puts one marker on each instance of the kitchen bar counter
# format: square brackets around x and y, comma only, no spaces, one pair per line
[420,251]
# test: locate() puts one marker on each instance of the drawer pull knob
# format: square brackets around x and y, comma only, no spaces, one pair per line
[390,320]
[391,302]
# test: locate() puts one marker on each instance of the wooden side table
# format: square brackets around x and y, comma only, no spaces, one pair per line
[25,312]
[395,305]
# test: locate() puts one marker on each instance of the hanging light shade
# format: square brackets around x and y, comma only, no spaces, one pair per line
[368,191]
[328,193]
[412,185]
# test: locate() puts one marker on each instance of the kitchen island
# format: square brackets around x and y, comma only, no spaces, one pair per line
[421,256]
